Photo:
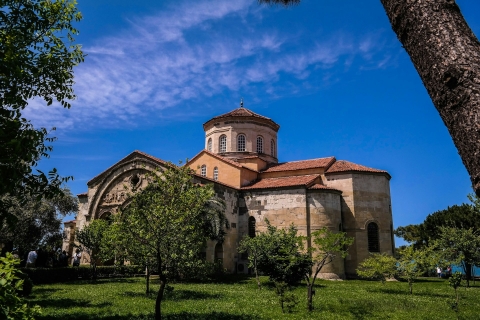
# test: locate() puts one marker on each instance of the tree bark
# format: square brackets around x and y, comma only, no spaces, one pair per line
[147,276]
[446,54]
[310,297]
[163,282]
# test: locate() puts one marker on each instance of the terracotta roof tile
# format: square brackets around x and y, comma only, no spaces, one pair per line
[319,186]
[227,160]
[215,181]
[300,165]
[269,183]
[69,221]
[241,113]
[83,194]
[343,166]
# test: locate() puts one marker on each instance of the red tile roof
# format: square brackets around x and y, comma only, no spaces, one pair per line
[300,165]
[215,181]
[243,112]
[319,186]
[227,160]
[84,194]
[344,166]
[269,183]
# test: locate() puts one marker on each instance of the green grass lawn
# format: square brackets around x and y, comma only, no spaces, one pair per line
[240,299]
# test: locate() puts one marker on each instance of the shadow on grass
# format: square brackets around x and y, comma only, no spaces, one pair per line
[175,295]
[41,291]
[68,303]
[405,292]
[175,316]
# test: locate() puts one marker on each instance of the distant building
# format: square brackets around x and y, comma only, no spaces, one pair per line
[240,159]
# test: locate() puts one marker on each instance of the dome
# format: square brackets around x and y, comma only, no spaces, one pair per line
[242,133]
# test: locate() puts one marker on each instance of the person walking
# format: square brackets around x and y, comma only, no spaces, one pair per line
[439,272]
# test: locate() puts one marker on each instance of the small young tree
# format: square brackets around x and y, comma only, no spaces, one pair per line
[168,220]
[378,267]
[326,246]
[91,238]
[461,247]
[455,281]
[409,264]
[254,247]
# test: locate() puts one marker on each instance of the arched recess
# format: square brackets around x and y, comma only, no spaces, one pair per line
[373,237]
[219,252]
[118,175]
[251,227]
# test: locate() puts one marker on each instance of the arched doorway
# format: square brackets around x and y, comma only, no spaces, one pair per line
[219,253]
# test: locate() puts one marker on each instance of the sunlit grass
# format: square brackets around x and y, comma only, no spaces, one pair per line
[240,299]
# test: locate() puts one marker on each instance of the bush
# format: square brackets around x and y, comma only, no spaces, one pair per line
[55,275]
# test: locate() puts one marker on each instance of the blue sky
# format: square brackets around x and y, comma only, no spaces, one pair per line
[331,73]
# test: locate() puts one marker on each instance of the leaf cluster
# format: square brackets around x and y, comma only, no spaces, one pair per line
[12,306]
[378,267]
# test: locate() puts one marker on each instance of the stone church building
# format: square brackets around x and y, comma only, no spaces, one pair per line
[240,159]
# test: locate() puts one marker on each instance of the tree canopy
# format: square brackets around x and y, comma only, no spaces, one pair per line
[37,56]
[170,220]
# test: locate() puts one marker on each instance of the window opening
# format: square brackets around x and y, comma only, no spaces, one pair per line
[203,171]
[241,142]
[223,143]
[251,227]
[215,173]
[209,145]
[259,145]
[272,147]
[372,233]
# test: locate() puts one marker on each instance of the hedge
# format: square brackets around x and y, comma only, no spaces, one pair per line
[54,275]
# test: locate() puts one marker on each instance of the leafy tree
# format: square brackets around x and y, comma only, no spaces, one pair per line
[254,247]
[91,238]
[37,56]
[460,247]
[378,267]
[11,305]
[38,222]
[284,258]
[410,264]
[445,52]
[455,281]
[169,221]
[326,246]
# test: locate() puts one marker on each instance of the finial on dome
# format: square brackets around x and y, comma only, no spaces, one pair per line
[241,103]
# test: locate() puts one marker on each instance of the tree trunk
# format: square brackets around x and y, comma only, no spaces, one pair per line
[158,301]
[147,276]
[256,276]
[410,283]
[310,297]
[446,54]
[468,272]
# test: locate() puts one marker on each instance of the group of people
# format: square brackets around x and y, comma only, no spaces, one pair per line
[448,272]
[42,259]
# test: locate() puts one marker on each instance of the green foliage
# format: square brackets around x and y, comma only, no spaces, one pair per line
[91,239]
[288,301]
[13,307]
[239,299]
[256,249]
[38,222]
[326,246]
[460,247]
[410,264]
[37,56]
[280,254]
[169,221]
[378,267]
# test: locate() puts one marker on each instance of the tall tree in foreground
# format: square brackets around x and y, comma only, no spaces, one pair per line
[326,246]
[37,56]
[446,54]
[91,238]
[168,220]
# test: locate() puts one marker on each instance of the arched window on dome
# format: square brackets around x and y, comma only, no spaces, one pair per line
[259,145]
[241,142]
[209,145]
[223,143]
[215,173]
[203,170]
[372,234]
[272,148]
[251,227]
